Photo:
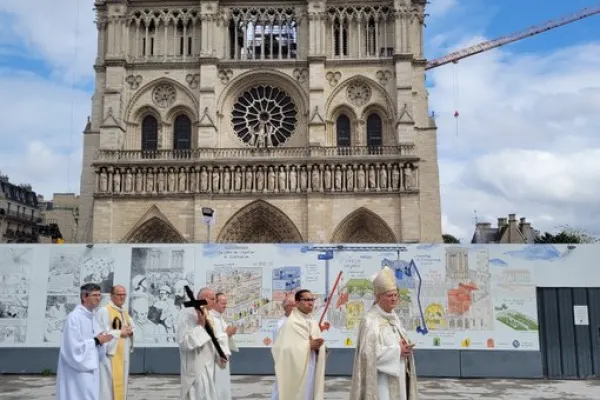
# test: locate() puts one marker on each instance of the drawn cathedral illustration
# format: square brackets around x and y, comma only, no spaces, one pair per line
[302,122]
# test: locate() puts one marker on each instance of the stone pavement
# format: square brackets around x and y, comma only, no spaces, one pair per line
[154,387]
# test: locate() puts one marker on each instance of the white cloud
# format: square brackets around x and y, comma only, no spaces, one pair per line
[527,138]
[69,46]
[41,132]
[438,8]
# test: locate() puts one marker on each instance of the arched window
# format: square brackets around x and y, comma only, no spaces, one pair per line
[343,131]
[182,133]
[374,128]
[149,133]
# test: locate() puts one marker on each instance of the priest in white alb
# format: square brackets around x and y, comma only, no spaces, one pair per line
[82,348]
[384,365]
[288,304]
[224,333]
[299,354]
[114,369]
[198,356]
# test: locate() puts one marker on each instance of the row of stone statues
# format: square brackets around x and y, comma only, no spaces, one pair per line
[261,179]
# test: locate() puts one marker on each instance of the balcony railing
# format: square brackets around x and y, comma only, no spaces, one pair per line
[20,216]
[271,153]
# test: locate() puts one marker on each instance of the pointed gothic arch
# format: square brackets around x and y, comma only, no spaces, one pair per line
[259,222]
[154,227]
[363,226]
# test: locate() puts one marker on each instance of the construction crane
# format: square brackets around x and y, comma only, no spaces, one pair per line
[531,31]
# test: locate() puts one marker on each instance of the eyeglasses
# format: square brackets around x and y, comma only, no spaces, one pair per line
[307,300]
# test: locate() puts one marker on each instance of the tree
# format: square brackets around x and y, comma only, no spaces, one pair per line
[566,236]
[449,238]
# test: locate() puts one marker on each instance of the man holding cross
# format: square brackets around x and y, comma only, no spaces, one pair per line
[199,358]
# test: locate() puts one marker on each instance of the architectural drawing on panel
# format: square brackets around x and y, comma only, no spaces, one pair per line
[243,287]
[286,280]
[57,309]
[469,304]
[15,272]
[159,275]
[71,267]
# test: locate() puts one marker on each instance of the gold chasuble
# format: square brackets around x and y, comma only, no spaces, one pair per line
[118,359]
[293,359]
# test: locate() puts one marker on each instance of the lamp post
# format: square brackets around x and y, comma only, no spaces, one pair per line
[208,216]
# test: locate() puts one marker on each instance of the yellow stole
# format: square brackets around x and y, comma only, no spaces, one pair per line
[118,360]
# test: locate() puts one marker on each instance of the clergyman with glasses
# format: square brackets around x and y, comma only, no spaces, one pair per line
[299,354]
[82,349]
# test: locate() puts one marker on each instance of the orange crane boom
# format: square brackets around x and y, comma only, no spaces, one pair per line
[531,31]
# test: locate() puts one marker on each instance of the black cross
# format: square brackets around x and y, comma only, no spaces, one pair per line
[197,304]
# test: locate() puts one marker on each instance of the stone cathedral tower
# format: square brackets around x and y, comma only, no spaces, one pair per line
[296,121]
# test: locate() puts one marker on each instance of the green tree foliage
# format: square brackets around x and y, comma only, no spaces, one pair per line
[567,235]
[449,238]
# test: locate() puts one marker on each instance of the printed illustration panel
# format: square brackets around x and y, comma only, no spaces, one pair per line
[158,278]
[15,272]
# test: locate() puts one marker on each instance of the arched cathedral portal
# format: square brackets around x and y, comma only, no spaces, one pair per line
[259,222]
[363,226]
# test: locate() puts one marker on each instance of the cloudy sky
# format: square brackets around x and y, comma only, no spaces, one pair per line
[525,142]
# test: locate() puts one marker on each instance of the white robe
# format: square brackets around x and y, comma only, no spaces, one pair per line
[106,375]
[275,394]
[380,372]
[78,374]
[198,359]
[223,375]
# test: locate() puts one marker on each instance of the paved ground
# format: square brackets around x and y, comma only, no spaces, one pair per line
[15,387]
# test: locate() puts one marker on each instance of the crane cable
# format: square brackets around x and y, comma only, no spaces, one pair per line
[455,92]
[72,122]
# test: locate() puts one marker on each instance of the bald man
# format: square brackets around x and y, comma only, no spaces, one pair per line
[288,305]
[114,369]
[198,356]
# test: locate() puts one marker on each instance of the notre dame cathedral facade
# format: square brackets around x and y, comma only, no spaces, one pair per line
[299,122]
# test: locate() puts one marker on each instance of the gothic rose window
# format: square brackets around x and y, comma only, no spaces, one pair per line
[264,116]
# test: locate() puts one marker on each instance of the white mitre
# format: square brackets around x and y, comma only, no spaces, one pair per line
[384,281]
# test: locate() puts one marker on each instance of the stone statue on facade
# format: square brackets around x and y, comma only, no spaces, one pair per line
[361,178]
[138,181]
[327,178]
[171,182]
[237,179]
[293,179]
[303,178]
[192,183]
[182,180]
[249,179]
[260,179]
[270,179]
[226,179]
[128,181]
[150,181]
[215,179]
[203,180]
[349,178]
[338,178]
[372,177]
[409,178]
[395,177]
[261,135]
[315,179]
[282,179]
[161,181]
[383,183]
[117,181]
[103,180]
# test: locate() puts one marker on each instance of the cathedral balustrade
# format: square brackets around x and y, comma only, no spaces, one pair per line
[236,178]
[257,154]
